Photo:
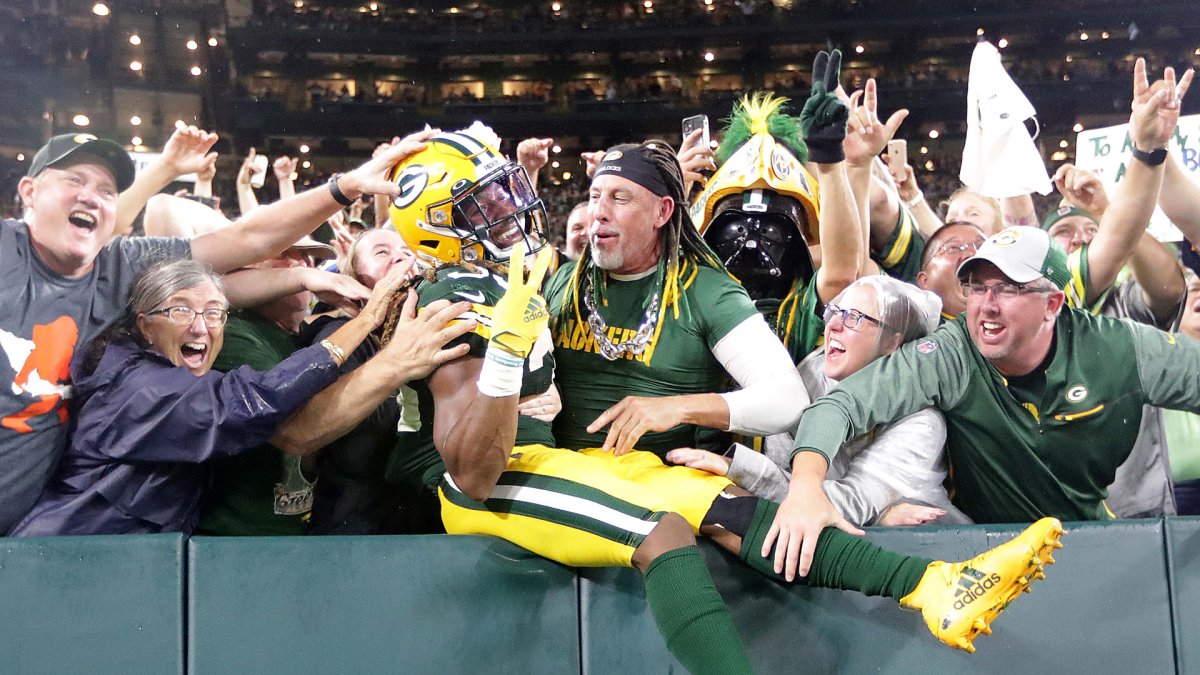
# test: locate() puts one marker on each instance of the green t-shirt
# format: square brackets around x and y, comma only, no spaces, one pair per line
[414,461]
[244,499]
[901,254]
[1012,461]
[680,361]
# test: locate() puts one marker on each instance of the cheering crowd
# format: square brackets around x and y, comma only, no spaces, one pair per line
[771,344]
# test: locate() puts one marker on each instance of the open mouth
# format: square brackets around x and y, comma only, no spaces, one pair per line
[83,220]
[990,330]
[193,354]
[834,349]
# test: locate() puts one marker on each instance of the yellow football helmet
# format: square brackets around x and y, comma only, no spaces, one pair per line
[460,199]
[762,163]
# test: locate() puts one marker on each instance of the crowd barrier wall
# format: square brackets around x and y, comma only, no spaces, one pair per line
[1123,597]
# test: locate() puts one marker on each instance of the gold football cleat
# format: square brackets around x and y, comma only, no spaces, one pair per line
[960,600]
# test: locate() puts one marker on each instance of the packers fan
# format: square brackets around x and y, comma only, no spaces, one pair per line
[763,209]
[502,475]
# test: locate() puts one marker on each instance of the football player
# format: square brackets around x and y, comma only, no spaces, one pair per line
[501,474]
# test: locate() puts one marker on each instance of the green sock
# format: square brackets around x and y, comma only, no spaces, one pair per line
[841,561]
[691,615]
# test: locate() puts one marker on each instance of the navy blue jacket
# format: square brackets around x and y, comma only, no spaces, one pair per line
[144,427]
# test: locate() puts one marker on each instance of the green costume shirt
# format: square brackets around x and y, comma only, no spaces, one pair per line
[1017,460]
[243,499]
[680,362]
[415,462]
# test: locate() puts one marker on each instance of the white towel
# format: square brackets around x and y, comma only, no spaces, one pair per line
[999,158]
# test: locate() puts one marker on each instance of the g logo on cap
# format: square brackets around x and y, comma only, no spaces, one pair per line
[1006,238]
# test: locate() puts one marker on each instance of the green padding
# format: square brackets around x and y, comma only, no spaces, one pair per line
[1183,557]
[1103,608]
[110,604]
[418,604]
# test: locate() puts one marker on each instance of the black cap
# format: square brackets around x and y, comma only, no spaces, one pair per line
[64,145]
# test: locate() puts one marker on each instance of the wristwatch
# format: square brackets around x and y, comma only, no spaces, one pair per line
[338,196]
[1152,158]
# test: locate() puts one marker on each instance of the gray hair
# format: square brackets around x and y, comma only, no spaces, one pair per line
[157,284]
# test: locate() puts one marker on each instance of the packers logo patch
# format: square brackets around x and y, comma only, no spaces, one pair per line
[927,347]
[80,139]
[412,182]
[1077,393]
[781,164]
[1005,238]
[614,155]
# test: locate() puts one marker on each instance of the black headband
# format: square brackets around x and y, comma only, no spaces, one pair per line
[634,165]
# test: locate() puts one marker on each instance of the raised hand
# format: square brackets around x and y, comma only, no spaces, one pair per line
[1155,107]
[188,150]
[1082,189]
[867,136]
[823,117]
[520,315]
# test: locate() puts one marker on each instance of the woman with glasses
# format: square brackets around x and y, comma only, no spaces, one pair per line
[149,412]
[892,476]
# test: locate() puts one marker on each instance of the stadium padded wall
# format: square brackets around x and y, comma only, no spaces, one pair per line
[1124,597]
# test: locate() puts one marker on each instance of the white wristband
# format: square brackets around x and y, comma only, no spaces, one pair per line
[915,200]
[501,374]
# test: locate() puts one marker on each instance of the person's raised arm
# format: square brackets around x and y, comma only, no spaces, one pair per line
[866,137]
[269,229]
[823,121]
[533,154]
[1152,264]
[1018,210]
[251,287]
[205,176]
[186,151]
[247,201]
[1155,114]
[1178,199]
[913,198]
[284,168]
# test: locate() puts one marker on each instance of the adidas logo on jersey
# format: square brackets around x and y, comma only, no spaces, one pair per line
[972,585]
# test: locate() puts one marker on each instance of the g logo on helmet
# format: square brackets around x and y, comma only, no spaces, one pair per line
[412,182]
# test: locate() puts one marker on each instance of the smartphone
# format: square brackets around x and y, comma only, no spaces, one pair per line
[695,122]
[259,173]
[897,152]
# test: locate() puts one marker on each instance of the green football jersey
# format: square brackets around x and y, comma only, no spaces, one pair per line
[680,361]
[901,254]
[414,460]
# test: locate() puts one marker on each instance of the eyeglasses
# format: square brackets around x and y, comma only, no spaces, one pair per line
[184,316]
[1003,290]
[851,318]
[953,247]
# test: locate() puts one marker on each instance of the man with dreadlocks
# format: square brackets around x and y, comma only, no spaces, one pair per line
[499,473]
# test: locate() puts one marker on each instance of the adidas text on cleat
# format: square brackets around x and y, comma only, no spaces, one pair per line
[960,600]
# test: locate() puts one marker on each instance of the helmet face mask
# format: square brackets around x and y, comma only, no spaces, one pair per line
[461,200]
[499,211]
